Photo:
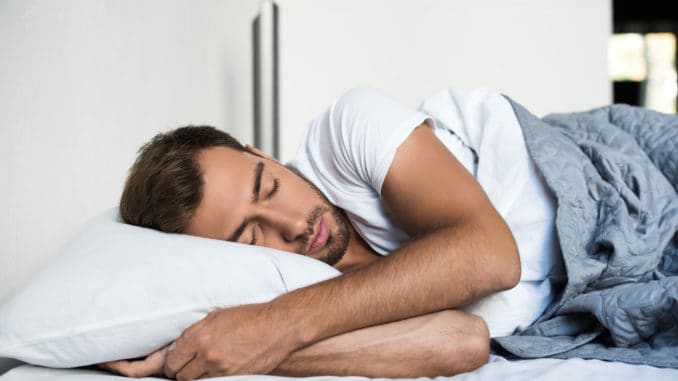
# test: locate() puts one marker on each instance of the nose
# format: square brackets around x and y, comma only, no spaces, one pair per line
[290,225]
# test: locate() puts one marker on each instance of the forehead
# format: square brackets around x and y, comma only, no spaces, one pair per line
[227,181]
[219,162]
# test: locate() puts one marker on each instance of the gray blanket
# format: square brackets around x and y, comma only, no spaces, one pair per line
[614,171]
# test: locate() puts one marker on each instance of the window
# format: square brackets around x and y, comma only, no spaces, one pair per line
[642,55]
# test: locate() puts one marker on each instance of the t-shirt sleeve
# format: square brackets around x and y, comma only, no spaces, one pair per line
[367,127]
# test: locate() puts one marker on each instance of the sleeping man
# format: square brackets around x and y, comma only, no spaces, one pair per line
[439,220]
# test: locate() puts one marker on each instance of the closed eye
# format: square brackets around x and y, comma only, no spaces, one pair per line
[254,238]
[274,190]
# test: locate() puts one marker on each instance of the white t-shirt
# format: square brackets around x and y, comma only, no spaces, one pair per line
[348,149]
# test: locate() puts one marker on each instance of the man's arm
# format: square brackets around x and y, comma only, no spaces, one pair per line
[416,347]
[461,250]
[439,344]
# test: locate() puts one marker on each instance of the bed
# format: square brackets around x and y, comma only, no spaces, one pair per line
[497,368]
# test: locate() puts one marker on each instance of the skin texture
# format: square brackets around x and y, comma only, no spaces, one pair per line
[461,250]
[417,347]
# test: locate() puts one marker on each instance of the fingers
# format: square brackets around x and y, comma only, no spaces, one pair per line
[190,332]
[176,365]
[150,366]
[113,366]
[125,368]
[179,354]
[104,366]
[194,370]
[183,350]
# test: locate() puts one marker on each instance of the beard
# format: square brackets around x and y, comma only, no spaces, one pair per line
[337,241]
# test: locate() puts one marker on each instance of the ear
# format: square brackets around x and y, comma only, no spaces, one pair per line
[256,151]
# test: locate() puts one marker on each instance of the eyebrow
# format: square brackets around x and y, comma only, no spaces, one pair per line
[258,170]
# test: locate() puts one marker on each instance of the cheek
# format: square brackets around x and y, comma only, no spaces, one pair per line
[301,196]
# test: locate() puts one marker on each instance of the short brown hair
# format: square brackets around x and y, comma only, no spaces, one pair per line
[164,185]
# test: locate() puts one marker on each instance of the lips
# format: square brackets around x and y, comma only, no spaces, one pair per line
[319,238]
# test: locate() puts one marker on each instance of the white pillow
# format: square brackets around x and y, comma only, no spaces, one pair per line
[119,291]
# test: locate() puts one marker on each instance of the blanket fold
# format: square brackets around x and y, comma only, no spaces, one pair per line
[614,172]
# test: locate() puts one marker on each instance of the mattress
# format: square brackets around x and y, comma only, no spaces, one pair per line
[497,369]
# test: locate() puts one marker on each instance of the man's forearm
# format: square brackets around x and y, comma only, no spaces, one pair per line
[438,344]
[445,269]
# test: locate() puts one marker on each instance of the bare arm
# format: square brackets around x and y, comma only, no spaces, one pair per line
[438,344]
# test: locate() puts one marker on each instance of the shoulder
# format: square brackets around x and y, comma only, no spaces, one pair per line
[371,124]
[367,113]
[359,119]
[357,134]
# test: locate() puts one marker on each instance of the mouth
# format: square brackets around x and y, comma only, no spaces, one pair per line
[319,238]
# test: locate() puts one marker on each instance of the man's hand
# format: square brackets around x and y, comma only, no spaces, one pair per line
[152,365]
[248,339]
[438,344]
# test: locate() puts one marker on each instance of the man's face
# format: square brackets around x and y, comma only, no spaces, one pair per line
[255,200]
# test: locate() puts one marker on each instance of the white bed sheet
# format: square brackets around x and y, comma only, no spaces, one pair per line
[498,369]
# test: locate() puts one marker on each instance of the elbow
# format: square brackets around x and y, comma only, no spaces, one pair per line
[478,346]
[464,344]
[510,273]
[502,261]
[508,267]
[469,353]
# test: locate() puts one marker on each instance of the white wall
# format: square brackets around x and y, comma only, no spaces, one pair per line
[550,55]
[83,83]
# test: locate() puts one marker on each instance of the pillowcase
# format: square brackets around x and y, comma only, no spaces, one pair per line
[119,291]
